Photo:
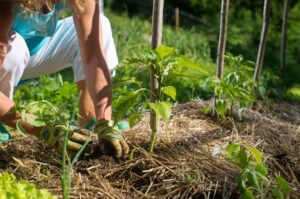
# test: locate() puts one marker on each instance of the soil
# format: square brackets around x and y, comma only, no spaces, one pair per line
[183,164]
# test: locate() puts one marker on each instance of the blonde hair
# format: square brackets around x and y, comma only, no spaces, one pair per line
[36,5]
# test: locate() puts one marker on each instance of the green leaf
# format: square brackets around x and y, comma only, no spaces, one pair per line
[162,109]
[125,82]
[134,118]
[243,158]
[178,73]
[191,65]
[20,128]
[252,179]
[241,184]
[126,102]
[263,179]
[150,55]
[283,184]
[256,154]
[165,51]
[277,194]
[170,91]
[232,151]
[247,68]
[221,107]
[248,194]
[261,169]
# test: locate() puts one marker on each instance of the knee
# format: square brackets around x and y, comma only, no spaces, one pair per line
[17,56]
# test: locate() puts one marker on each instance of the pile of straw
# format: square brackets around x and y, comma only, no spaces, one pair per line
[181,167]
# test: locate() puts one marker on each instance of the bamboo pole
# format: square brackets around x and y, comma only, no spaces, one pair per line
[157,31]
[283,38]
[263,41]
[222,38]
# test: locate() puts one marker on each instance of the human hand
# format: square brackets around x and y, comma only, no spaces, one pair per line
[54,134]
[110,135]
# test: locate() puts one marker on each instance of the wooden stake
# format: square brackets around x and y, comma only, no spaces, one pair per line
[222,38]
[283,38]
[157,31]
[263,41]
[177,19]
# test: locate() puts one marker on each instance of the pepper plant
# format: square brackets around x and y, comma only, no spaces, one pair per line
[254,180]
[233,92]
[165,62]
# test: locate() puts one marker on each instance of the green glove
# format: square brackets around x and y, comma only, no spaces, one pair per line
[54,135]
[110,134]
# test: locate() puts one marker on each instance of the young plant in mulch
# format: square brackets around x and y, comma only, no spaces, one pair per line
[254,180]
[42,112]
[166,63]
[234,92]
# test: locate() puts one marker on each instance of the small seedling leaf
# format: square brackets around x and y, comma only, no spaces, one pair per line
[170,91]
[243,158]
[252,179]
[248,194]
[165,51]
[256,154]
[134,118]
[283,184]
[191,65]
[277,194]
[162,109]
[260,168]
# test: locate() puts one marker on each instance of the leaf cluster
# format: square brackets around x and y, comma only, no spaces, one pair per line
[233,92]
[254,180]
[11,188]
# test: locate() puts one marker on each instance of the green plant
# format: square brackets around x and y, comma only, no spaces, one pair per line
[254,180]
[293,93]
[166,63]
[45,112]
[11,188]
[234,92]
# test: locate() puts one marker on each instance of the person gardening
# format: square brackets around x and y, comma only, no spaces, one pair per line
[34,42]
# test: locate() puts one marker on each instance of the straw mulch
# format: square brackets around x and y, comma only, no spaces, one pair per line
[182,165]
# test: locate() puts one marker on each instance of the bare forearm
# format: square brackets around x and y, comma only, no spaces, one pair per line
[11,118]
[96,71]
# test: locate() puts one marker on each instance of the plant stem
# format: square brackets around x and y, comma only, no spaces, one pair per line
[153,137]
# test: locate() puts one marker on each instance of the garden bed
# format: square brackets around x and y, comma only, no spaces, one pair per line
[182,165]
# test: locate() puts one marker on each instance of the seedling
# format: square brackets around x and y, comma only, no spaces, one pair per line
[254,180]
[166,63]
[234,92]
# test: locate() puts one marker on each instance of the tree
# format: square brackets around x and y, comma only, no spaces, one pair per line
[263,41]
[283,38]
[222,38]
[157,31]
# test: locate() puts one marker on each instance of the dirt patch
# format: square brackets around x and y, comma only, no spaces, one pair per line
[182,165]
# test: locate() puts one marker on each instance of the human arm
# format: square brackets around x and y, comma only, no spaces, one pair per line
[97,74]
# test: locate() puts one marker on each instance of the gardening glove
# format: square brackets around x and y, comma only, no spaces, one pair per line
[110,135]
[54,135]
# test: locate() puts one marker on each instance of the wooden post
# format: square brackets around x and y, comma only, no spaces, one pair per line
[222,38]
[177,19]
[157,31]
[263,41]
[283,38]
